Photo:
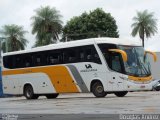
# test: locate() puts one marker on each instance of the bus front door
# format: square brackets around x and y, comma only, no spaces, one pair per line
[116,66]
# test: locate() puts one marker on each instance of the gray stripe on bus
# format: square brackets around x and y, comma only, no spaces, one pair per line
[78,78]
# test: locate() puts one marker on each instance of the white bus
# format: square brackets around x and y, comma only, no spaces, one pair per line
[98,65]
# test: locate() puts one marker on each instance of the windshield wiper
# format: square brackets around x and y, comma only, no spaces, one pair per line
[141,65]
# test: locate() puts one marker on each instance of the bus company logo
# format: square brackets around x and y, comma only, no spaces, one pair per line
[88,68]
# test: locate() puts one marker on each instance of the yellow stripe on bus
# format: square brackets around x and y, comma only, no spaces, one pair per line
[59,76]
[140,79]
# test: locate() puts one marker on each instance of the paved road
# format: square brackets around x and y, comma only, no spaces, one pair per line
[62,117]
[133,103]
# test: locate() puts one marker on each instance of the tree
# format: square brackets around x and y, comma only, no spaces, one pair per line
[46,25]
[88,25]
[144,24]
[14,39]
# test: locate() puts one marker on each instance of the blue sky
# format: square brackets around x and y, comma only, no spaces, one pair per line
[20,11]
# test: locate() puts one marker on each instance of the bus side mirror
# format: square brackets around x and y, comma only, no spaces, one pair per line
[123,53]
[153,54]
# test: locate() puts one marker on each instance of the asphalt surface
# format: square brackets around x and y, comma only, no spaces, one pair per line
[81,106]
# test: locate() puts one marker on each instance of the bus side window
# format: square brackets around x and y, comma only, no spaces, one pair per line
[37,60]
[97,59]
[69,55]
[8,62]
[54,58]
[89,56]
[5,62]
[18,61]
[107,55]
[92,55]
[27,61]
[81,55]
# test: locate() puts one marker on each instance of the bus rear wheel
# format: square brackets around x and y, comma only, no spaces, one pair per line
[51,96]
[29,93]
[98,90]
[121,93]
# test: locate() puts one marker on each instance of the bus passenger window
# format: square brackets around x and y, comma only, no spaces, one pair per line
[72,56]
[81,56]
[8,62]
[69,55]
[27,64]
[38,60]
[54,58]
[71,59]
[27,61]
[89,55]
[97,59]
[18,62]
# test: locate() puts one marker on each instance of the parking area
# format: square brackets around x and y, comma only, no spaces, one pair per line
[134,102]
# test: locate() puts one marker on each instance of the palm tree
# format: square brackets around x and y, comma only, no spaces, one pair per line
[46,25]
[14,39]
[144,24]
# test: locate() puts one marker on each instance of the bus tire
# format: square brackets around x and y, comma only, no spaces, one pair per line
[29,93]
[98,90]
[52,96]
[121,93]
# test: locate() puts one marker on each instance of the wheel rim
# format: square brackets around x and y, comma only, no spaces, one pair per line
[29,93]
[99,89]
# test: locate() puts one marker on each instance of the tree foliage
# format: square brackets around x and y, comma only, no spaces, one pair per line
[89,25]
[14,39]
[144,24]
[46,25]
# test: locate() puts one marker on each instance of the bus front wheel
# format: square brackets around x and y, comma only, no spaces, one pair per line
[51,96]
[29,93]
[98,90]
[121,93]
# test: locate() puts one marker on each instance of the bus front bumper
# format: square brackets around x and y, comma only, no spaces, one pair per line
[131,86]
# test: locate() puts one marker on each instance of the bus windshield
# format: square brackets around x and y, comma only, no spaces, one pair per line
[137,63]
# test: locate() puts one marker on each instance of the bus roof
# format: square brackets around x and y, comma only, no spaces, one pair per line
[82,42]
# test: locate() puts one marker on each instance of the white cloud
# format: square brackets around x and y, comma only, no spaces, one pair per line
[20,11]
